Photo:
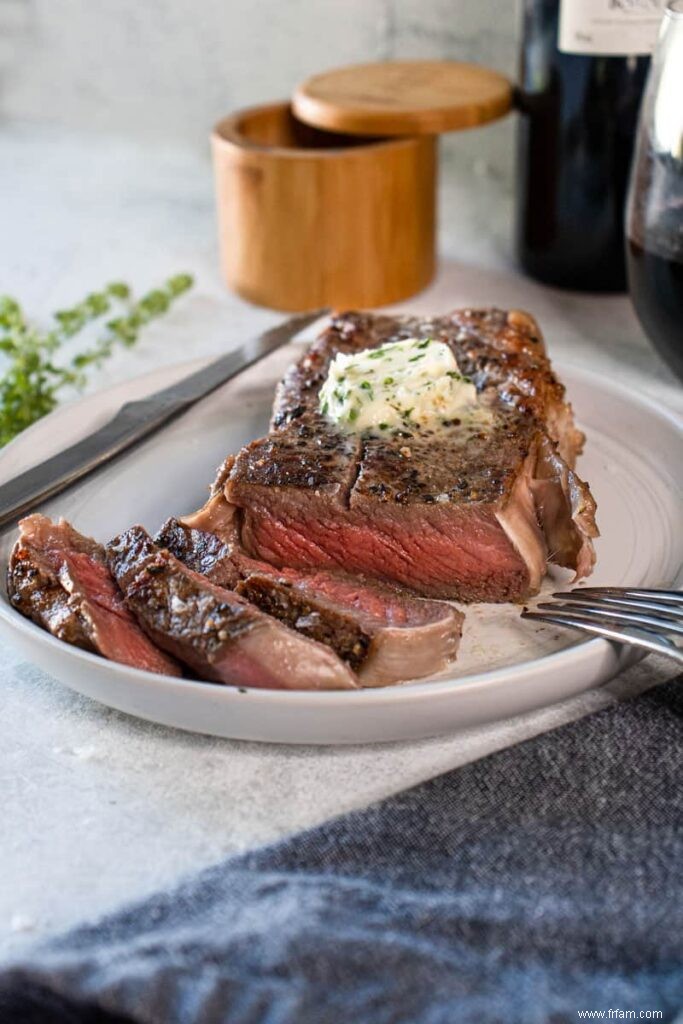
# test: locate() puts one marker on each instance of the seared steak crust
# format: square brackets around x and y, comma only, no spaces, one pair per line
[166,600]
[299,610]
[504,355]
[384,634]
[499,350]
[213,630]
[419,468]
[35,591]
[201,551]
[430,510]
[221,563]
[59,578]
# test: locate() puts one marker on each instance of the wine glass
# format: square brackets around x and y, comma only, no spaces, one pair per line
[654,219]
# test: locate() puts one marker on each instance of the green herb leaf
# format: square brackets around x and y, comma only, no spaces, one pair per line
[178,284]
[120,290]
[33,379]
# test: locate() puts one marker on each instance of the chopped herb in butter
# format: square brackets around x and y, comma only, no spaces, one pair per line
[404,384]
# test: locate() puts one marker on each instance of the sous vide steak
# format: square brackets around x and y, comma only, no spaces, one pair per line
[213,630]
[384,634]
[469,511]
[60,580]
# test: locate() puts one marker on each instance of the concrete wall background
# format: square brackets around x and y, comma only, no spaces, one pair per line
[167,69]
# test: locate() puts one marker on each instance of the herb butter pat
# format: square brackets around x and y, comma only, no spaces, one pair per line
[401,385]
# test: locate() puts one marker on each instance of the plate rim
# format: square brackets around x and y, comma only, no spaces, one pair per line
[583,652]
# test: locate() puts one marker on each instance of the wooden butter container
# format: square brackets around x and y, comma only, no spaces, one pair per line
[331,201]
[310,218]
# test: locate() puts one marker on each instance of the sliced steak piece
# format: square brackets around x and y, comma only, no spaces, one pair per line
[213,630]
[457,513]
[384,634]
[60,579]
[201,550]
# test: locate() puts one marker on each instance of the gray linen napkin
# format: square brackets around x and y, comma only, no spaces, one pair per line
[531,886]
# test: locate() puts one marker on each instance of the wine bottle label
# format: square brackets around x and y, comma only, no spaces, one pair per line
[625,28]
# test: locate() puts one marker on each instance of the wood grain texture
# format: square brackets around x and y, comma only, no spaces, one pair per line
[411,97]
[307,218]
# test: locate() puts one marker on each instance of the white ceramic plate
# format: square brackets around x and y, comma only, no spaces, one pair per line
[506,666]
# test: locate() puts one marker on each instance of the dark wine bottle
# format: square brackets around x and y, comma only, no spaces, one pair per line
[583,67]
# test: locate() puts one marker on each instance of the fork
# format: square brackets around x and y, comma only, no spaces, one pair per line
[636,617]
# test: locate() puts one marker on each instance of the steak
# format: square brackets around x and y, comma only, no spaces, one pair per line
[215,631]
[60,580]
[468,512]
[384,634]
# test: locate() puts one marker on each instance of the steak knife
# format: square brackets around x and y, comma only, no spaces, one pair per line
[137,420]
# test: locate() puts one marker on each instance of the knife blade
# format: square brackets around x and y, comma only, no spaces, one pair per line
[137,420]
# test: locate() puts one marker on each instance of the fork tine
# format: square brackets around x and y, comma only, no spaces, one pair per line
[592,611]
[581,598]
[590,596]
[667,596]
[622,635]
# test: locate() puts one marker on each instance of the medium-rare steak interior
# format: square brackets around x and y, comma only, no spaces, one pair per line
[215,631]
[60,579]
[383,633]
[470,510]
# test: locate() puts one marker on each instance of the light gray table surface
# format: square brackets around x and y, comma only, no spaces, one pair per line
[99,808]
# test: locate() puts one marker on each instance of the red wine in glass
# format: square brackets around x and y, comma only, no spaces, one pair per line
[654,224]
[656,285]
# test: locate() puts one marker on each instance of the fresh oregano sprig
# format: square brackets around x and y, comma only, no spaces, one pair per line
[33,379]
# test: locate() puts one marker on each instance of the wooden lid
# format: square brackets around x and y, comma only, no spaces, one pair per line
[403,97]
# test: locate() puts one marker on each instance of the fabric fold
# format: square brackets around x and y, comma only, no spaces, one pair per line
[538,882]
